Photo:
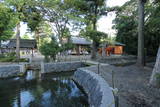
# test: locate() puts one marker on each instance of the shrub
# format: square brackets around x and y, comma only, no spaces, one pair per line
[2,56]
[12,54]
[11,57]
[50,49]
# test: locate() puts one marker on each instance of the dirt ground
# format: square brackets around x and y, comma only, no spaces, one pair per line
[132,83]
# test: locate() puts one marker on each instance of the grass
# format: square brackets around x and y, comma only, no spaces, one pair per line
[158,78]
[11,57]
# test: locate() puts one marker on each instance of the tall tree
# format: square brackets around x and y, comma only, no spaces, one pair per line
[96,7]
[126,25]
[155,78]
[92,10]
[20,8]
[7,23]
[59,15]
[34,18]
[17,6]
[140,57]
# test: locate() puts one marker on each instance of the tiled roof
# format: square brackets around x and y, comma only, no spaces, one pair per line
[80,41]
[24,43]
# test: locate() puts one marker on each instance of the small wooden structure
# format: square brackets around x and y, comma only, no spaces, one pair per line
[25,45]
[115,48]
[81,45]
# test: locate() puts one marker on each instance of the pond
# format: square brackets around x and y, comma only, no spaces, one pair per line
[47,90]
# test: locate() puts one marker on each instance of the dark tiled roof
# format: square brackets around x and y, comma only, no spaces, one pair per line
[24,43]
[80,41]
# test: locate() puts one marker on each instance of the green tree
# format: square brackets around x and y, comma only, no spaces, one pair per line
[21,8]
[59,14]
[26,37]
[152,26]
[43,33]
[126,25]
[92,10]
[34,18]
[96,36]
[50,49]
[17,6]
[7,23]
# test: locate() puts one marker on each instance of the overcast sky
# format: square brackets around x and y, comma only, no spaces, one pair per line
[104,24]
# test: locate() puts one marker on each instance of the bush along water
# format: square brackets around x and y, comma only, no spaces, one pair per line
[11,57]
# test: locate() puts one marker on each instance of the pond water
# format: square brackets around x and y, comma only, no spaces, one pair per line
[36,90]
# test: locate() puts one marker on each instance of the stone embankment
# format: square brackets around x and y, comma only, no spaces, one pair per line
[97,89]
[7,71]
[61,66]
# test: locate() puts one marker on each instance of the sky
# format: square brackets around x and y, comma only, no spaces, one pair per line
[104,24]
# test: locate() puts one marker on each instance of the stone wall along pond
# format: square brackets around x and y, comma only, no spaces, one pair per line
[61,66]
[99,92]
[7,71]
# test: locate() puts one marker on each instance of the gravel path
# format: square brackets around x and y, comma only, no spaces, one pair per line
[132,83]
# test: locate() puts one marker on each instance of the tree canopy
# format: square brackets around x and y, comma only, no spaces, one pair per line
[126,25]
[7,22]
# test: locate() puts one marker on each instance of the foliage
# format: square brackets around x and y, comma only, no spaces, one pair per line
[7,22]
[25,36]
[7,59]
[96,36]
[59,14]
[33,17]
[43,33]
[18,6]
[66,46]
[126,25]
[157,76]
[92,10]
[11,57]
[152,28]
[50,49]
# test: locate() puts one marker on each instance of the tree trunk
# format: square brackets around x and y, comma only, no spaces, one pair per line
[155,78]
[94,49]
[0,47]
[104,50]
[18,42]
[140,58]
[37,38]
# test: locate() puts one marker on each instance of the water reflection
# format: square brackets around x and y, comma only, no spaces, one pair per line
[52,91]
